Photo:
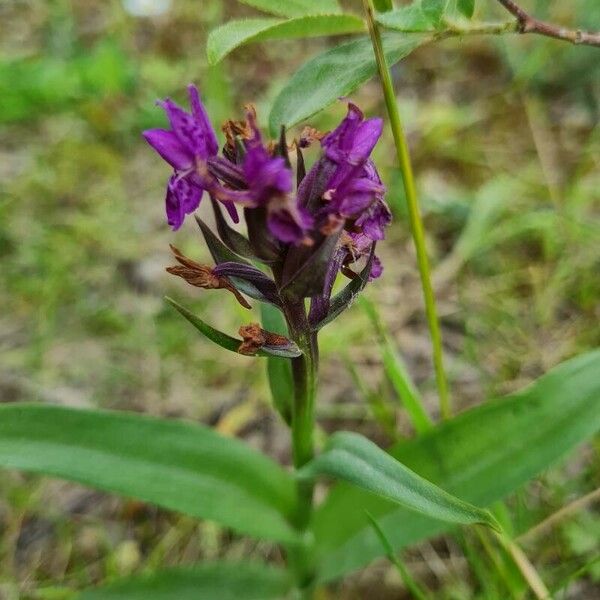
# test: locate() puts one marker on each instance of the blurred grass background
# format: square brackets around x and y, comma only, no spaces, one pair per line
[506,145]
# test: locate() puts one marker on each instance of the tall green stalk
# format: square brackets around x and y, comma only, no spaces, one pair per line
[304,371]
[416,222]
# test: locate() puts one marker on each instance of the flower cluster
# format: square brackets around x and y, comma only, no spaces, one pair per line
[306,235]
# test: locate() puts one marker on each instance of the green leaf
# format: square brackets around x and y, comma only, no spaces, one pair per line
[434,10]
[383,5]
[232,239]
[332,74]
[225,581]
[177,465]
[229,36]
[214,335]
[295,8]
[279,370]
[356,460]
[407,18]
[405,575]
[397,373]
[230,343]
[466,7]
[218,250]
[481,455]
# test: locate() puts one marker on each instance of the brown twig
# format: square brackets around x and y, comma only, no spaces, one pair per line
[529,24]
[559,516]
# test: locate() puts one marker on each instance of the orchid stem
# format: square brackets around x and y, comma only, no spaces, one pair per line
[304,372]
[416,222]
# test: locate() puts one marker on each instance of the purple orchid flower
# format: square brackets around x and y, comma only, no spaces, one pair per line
[308,235]
[187,146]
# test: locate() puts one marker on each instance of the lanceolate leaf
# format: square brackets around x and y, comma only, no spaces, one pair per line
[209,581]
[290,350]
[234,240]
[295,8]
[279,370]
[177,465]
[355,459]
[481,456]
[334,73]
[229,36]
[218,250]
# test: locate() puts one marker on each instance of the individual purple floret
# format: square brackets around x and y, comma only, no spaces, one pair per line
[190,142]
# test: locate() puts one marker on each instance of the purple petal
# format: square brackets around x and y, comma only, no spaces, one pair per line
[357,196]
[182,199]
[266,176]
[319,305]
[366,136]
[201,117]
[191,133]
[232,211]
[376,269]
[170,148]
[340,141]
[288,225]
[375,219]
[354,138]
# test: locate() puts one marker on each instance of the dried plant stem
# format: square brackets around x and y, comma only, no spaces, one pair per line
[413,208]
[529,24]
[559,516]
[528,571]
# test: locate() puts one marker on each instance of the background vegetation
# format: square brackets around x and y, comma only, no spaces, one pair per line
[507,150]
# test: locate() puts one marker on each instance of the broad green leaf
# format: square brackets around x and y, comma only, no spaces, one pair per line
[177,465]
[406,18]
[225,581]
[295,8]
[353,458]
[397,373]
[290,350]
[466,7]
[279,370]
[332,74]
[481,456]
[229,36]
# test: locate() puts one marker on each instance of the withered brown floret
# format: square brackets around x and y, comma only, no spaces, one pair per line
[202,276]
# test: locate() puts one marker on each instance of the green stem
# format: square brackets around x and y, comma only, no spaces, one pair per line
[304,371]
[413,208]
